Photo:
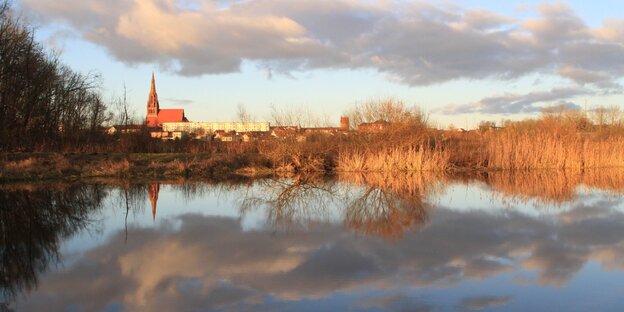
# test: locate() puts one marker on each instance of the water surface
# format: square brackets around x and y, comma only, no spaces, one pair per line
[540,241]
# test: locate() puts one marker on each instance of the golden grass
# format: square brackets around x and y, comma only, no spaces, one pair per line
[393,159]
[109,168]
[510,149]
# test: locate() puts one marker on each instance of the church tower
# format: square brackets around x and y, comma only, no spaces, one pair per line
[153,106]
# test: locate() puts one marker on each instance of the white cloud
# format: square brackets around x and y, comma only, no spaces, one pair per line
[412,43]
[518,103]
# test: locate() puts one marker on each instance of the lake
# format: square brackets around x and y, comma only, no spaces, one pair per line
[535,241]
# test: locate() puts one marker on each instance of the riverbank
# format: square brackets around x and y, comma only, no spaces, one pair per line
[76,166]
[16,167]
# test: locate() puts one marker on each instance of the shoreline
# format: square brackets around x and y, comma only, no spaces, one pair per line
[24,167]
[30,167]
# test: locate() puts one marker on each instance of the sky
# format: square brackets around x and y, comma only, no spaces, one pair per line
[460,61]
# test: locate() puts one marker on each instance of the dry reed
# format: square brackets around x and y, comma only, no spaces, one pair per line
[513,149]
[394,159]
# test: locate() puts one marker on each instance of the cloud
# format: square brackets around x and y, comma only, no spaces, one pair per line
[519,103]
[414,43]
[177,102]
[394,302]
[478,303]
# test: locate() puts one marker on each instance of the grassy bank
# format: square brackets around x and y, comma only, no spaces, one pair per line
[42,166]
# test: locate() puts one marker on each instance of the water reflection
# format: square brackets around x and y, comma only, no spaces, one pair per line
[33,222]
[550,187]
[294,202]
[359,242]
[388,205]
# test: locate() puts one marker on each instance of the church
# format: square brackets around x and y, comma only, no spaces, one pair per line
[157,116]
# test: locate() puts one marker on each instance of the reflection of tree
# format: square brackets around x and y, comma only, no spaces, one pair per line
[383,213]
[388,206]
[292,201]
[33,222]
[130,196]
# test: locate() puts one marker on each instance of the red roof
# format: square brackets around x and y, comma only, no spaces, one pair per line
[171,115]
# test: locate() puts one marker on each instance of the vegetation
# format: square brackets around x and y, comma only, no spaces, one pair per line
[558,140]
[50,113]
[38,166]
[42,102]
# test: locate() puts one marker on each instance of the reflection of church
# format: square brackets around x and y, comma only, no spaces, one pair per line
[153,190]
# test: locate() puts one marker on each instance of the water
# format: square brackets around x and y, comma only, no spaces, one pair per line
[542,241]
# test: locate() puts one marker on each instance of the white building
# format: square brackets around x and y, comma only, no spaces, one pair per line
[208,127]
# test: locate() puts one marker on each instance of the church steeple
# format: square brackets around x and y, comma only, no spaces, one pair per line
[152,105]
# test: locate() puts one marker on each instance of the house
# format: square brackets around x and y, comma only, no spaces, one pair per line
[282,132]
[371,127]
[124,129]
[224,136]
[255,136]
[322,130]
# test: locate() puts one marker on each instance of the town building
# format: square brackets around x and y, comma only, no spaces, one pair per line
[371,127]
[124,129]
[211,127]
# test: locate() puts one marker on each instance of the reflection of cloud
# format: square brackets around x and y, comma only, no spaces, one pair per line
[395,302]
[212,263]
[578,214]
[478,303]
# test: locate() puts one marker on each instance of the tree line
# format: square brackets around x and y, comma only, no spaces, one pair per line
[43,103]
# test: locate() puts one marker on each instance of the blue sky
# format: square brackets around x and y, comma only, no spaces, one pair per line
[462,61]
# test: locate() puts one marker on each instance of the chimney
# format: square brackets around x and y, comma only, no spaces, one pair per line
[344,123]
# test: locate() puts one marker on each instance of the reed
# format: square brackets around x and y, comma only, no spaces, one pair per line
[394,159]
[513,149]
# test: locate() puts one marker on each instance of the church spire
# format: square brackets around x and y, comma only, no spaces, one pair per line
[152,105]
[153,88]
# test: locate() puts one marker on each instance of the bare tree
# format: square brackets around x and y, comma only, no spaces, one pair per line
[242,114]
[299,116]
[124,114]
[388,110]
[42,102]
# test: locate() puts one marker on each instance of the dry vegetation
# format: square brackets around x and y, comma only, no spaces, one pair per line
[418,158]
[40,166]
[562,140]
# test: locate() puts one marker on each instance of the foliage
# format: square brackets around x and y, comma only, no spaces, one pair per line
[42,102]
